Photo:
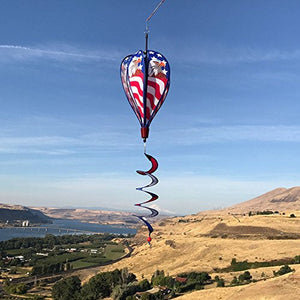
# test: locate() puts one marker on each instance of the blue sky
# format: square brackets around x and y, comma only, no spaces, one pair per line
[228,131]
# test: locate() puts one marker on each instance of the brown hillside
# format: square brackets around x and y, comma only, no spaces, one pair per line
[12,207]
[280,199]
[208,241]
[203,243]
[280,288]
[92,216]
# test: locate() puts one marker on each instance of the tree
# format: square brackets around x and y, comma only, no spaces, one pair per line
[246,276]
[234,281]
[297,259]
[126,276]
[283,270]
[144,285]
[122,292]
[221,283]
[13,270]
[67,289]
[163,280]
[20,288]
[103,284]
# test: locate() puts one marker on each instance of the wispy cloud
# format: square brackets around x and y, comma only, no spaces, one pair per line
[215,134]
[207,54]
[62,53]
[113,141]
[258,55]
[63,145]
[220,55]
[37,134]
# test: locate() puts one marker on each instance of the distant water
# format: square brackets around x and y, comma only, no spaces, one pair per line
[62,227]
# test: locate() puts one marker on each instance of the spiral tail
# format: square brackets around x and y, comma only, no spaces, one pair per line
[154,181]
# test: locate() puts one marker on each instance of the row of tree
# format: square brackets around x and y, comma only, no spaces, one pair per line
[49,269]
[100,286]
[50,240]
[122,285]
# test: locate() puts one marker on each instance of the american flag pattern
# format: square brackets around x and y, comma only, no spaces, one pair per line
[146,81]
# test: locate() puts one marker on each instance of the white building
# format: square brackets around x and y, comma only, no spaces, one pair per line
[25,223]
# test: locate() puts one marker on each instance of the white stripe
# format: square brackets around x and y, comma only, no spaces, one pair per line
[138,80]
[150,108]
[151,90]
[159,82]
[135,91]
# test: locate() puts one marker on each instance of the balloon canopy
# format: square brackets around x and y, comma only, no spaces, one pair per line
[145,78]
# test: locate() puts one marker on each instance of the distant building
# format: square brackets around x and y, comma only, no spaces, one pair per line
[25,223]
[20,257]
[42,254]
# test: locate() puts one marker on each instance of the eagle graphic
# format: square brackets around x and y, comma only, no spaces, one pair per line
[156,68]
[135,67]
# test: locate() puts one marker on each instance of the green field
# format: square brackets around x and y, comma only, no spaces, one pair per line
[88,251]
[113,252]
[81,264]
[85,259]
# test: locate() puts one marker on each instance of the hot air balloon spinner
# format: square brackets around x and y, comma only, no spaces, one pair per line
[145,77]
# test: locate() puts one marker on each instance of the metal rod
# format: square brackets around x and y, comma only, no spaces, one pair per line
[154,11]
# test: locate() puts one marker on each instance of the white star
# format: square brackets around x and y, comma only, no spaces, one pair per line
[159,55]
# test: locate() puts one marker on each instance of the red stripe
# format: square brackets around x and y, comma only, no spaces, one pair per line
[148,113]
[137,98]
[137,85]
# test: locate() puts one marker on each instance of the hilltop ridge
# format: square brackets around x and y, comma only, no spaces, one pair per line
[280,199]
[18,213]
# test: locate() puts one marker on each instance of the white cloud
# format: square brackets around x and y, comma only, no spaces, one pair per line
[210,54]
[62,53]
[64,145]
[262,133]
[220,54]
[112,140]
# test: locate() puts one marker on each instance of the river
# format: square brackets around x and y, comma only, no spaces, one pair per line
[62,227]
